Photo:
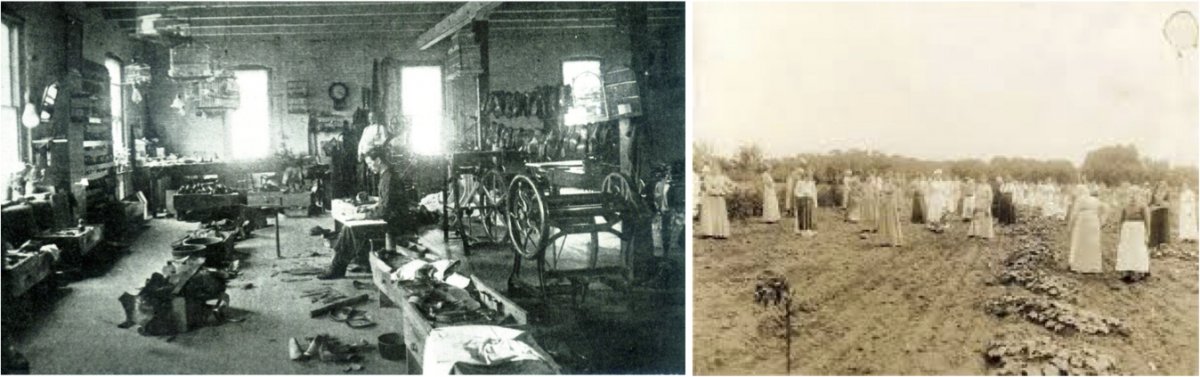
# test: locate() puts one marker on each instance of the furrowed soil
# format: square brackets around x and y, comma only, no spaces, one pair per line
[917,309]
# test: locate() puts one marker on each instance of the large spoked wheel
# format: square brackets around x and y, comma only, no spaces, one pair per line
[526,213]
[495,221]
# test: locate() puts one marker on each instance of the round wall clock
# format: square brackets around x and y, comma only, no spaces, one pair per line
[338,93]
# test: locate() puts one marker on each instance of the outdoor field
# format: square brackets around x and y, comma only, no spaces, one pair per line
[932,305]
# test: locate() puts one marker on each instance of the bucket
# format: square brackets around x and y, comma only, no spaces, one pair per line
[391,346]
[214,246]
[185,250]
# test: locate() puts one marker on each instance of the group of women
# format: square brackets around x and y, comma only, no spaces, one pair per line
[1142,214]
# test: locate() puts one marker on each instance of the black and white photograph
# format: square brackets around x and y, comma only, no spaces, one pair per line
[915,188]
[344,188]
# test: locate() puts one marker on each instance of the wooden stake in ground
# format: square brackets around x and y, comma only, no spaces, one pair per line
[772,291]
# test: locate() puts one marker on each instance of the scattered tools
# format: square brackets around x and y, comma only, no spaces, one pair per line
[330,307]
[327,348]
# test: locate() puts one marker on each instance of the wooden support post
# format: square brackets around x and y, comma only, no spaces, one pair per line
[278,249]
[483,85]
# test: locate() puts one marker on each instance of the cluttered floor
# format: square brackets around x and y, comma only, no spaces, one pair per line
[75,329]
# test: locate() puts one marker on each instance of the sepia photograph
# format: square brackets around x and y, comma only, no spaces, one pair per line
[344,188]
[945,188]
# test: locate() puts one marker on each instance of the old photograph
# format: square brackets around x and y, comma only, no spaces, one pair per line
[344,188]
[945,188]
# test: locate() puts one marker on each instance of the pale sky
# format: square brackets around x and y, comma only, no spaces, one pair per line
[944,81]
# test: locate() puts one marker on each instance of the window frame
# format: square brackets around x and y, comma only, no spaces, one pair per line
[229,120]
[118,97]
[562,66]
[14,26]
[410,143]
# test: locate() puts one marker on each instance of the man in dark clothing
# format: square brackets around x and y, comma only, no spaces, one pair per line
[397,196]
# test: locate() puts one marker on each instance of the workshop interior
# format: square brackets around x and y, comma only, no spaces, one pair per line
[343,187]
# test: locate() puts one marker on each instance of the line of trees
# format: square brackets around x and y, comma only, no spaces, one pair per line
[1111,165]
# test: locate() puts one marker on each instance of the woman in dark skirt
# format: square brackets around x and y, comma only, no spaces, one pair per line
[1160,227]
[918,201]
[805,194]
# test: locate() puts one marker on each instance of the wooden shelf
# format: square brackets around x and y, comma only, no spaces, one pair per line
[96,143]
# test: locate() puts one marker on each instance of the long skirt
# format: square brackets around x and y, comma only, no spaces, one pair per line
[981,225]
[889,223]
[1187,224]
[918,209]
[770,207]
[854,209]
[967,206]
[804,214]
[714,218]
[1159,227]
[1085,244]
[1132,253]
[870,213]
[1006,210]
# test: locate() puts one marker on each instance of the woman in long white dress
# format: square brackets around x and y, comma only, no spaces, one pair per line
[981,215]
[714,218]
[1133,255]
[1187,215]
[770,213]
[1085,223]
[889,212]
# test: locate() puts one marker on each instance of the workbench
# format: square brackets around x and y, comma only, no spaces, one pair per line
[26,268]
[415,328]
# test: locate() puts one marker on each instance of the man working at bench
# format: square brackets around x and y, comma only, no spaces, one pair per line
[397,196]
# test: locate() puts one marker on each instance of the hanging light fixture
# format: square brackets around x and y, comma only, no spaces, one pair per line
[29,118]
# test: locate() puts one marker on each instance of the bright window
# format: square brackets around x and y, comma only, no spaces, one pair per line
[421,102]
[250,130]
[115,96]
[10,106]
[587,91]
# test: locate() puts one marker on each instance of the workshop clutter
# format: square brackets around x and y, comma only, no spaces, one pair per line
[329,349]
[544,102]
[181,297]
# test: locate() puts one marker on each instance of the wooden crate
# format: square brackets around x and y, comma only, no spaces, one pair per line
[415,328]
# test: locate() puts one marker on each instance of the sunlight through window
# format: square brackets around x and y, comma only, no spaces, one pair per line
[250,132]
[421,102]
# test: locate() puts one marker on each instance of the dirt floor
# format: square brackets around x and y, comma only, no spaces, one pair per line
[73,330]
[916,309]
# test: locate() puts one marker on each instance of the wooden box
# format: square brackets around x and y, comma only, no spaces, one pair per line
[415,328]
[73,242]
[27,272]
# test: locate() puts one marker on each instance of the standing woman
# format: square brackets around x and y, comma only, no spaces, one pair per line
[806,205]
[1085,235]
[1187,215]
[890,196]
[1160,230]
[1133,257]
[770,200]
[981,217]
[789,204]
[870,204]
[714,218]
[854,202]
[918,200]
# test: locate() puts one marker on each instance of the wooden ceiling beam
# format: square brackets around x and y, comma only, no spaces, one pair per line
[455,21]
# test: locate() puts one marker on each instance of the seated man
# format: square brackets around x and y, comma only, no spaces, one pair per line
[397,196]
